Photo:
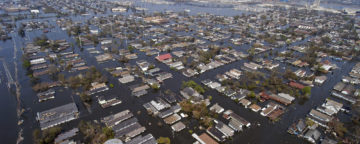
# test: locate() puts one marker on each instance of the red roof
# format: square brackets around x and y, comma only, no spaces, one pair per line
[296,85]
[164,57]
[264,95]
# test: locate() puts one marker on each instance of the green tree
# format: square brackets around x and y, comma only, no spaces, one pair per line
[163,140]
[109,133]
[306,90]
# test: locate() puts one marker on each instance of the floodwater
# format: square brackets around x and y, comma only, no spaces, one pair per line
[267,132]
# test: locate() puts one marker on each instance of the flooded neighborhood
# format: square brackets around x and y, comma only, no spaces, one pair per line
[180,71]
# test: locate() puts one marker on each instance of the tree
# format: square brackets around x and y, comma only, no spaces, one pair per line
[47,136]
[306,90]
[338,127]
[61,78]
[85,98]
[109,133]
[26,63]
[163,140]
[155,87]
[193,85]
[36,135]
[252,94]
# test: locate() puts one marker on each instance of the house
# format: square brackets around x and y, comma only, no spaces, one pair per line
[357,92]
[37,61]
[319,116]
[237,122]
[97,87]
[229,92]
[344,97]
[330,107]
[131,56]
[164,57]
[172,119]
[298,128]
[179,126]
[160,104]
[348,90]
[46,95]
[216,134]
[106,41]
[204,139]
[189,92]
[234,73]
[255,107]
[147,139]
[300,73]
[34,11]
[339,86]
[252,66]
[226,130]
[320,79]
[285,98]
[66,135]
[214,85]
[245,102]
[296,85]
[217,108]
[206,82]
[268,109]
[117,118]
[163,76]
[312,135]
[177,64]
[118,9]
[279,110]
[189,72]
[144,65]
[94,31]
[108,101]
[57,115]
[128,129]
[126,79]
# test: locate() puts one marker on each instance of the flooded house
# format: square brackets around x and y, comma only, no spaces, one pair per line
[147,139]
[204,139]
[37,61]
[172,119]
[97,87]
[189,92]
[103,57]
[46,95]
[237,122]
[126,79]
[216,108]
[179,126]
[116,118]
[164,57]
[108,100]
[312,135]
[66,135]
[319,117]
[57,115]
[226,130]
[330,107]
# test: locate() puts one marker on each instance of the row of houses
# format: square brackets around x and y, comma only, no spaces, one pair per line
[125,126]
